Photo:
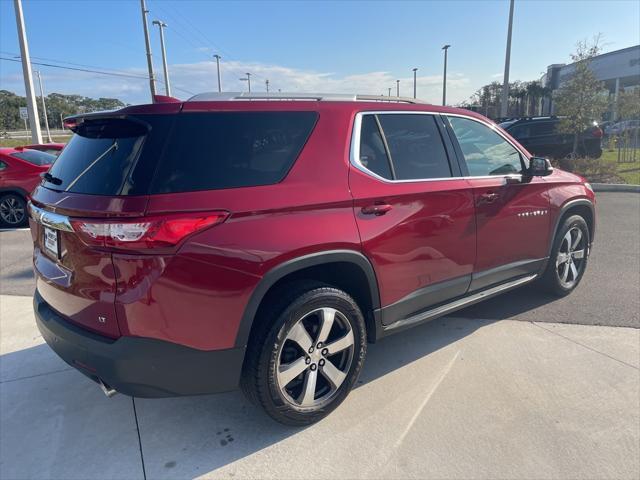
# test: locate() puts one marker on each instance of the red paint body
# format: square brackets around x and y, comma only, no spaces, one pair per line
[19,176]
[196,293]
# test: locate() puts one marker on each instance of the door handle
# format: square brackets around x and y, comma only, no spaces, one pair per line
[488,197]
[377,209]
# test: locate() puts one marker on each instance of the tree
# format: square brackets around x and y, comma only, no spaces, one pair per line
[57,105]
[580,99]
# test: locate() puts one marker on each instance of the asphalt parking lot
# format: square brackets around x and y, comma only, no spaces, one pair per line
[523,386]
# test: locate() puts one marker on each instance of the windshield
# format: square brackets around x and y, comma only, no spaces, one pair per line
[35,157]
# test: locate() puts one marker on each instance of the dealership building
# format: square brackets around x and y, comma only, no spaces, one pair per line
[618,70]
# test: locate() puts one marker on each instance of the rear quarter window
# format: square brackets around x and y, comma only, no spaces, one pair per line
[35,157]
[208,151]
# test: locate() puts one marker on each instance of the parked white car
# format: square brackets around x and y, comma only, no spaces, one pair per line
[622,127]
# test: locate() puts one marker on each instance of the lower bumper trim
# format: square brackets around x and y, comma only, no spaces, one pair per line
[140,367]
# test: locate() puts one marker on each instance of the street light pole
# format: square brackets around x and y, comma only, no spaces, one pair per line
[44,107]
[267,83]
[152,80]
[389,91]
[414,82]
[504,107]
[444,78]
[218,57]
[167,86]
[397,88]
[248,80]
[32,106]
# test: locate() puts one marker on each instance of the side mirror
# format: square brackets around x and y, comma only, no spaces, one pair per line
[540,167]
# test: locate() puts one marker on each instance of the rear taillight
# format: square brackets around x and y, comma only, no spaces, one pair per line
[145,232]
[597,132]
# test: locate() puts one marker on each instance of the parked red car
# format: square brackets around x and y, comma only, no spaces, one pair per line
[190,247]
[53,148]
[20,170]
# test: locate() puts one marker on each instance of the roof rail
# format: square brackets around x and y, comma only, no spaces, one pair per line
[318,97]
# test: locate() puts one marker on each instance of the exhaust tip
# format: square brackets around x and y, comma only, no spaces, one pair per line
[106,389]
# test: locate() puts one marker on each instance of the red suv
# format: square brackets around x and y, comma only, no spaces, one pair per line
[191,247]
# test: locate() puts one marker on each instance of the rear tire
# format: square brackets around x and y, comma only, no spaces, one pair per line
[13,211]
[568,260]
[306,353]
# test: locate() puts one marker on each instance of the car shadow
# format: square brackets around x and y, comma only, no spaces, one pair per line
[508,305]
[190,436]
[185,436]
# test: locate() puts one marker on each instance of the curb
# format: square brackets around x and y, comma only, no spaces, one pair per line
[615,187]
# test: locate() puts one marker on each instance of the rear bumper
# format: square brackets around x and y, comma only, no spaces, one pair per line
[140,367]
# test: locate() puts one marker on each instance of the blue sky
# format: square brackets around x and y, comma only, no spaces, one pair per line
[330,46]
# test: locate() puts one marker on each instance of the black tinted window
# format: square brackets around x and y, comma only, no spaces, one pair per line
[542,128]
[35,156]
[372,152]
[415,145]
[231,149]
[100,158]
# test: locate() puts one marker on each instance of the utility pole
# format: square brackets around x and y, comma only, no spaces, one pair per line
[32,106]
[218,57]
[152,80]
[504,107]
[44,107]
[167,86]
[397,88]
[267,83]
[444,78]
[248,80]
[414,82]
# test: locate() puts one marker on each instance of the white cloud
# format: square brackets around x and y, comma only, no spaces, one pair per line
[201,77]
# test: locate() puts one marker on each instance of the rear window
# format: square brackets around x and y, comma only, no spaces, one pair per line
[231,149]
[35,157]
[106,156]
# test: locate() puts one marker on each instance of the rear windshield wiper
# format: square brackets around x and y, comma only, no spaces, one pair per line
[51,179]
[114,146]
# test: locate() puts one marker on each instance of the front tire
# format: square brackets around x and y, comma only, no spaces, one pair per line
[305,355]
[568,260]
[13,211]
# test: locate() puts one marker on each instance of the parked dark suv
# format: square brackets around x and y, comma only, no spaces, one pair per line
[191,247]
[542,137]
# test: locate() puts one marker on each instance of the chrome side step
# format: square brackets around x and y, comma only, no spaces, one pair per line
[458,304]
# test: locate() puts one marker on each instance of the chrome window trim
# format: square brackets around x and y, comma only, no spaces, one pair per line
[50,219]
[354,151]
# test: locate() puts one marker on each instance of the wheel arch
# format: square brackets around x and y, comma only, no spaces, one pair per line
[17,190]
[348,270]
[582,207]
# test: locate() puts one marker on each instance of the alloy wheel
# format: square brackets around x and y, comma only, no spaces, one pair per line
[315,357]
[12,211]
[570,259]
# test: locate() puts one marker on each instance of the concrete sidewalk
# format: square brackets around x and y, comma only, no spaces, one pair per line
[456,398]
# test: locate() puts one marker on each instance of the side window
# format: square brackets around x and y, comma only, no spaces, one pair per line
[520,131]
[373,155]
[485,152]
[2,165]
[415,146]
[543,128]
